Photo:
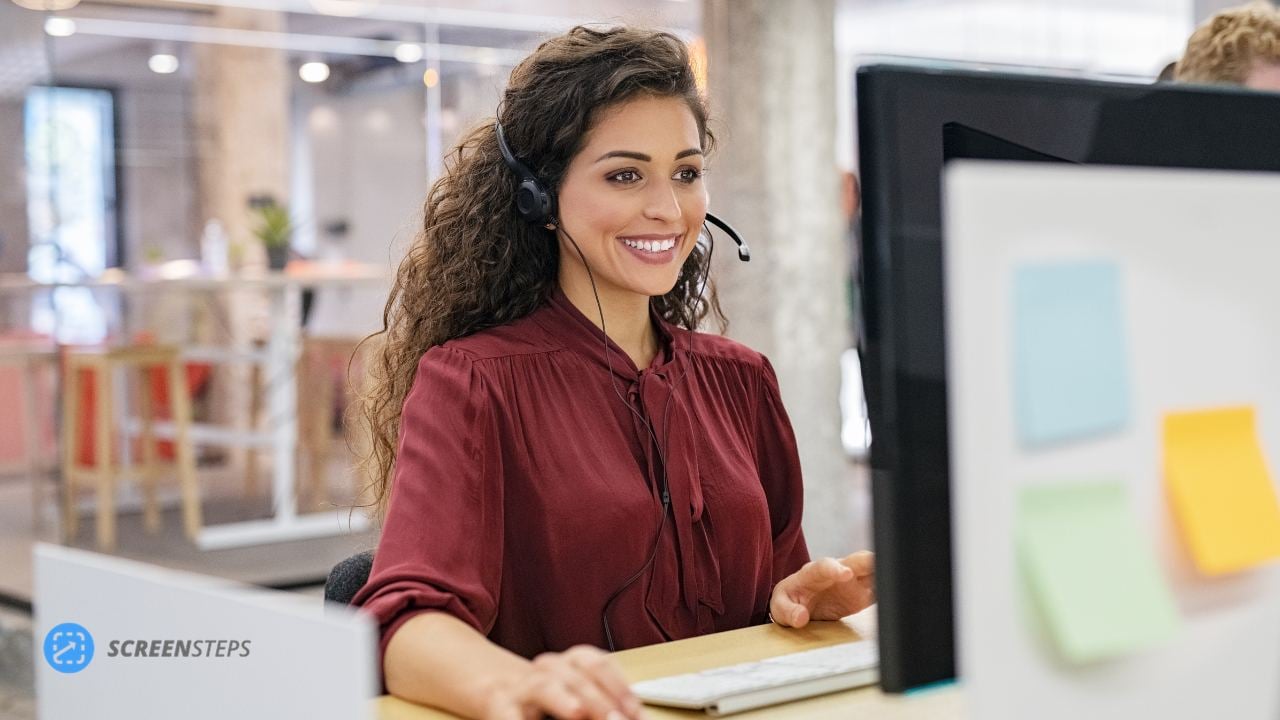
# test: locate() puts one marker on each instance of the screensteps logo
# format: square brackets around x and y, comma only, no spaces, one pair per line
[178,648]
[69,648]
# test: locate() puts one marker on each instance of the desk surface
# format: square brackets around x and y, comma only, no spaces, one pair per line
[736,646]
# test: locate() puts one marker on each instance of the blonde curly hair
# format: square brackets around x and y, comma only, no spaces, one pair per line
[1227,47]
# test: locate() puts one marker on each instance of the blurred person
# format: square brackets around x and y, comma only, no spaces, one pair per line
[1238,46]
[563,463]
[855,427]
[851,206]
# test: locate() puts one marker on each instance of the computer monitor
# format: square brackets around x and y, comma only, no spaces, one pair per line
[910,121]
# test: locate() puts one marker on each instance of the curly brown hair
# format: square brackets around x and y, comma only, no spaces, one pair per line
[1226,47]
[476,264]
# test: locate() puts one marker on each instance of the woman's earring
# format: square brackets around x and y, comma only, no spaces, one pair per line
[550,226]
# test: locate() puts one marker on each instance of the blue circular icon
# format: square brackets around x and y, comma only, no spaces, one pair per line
[68,648]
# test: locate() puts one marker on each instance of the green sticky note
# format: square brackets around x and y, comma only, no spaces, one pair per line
[1091,571]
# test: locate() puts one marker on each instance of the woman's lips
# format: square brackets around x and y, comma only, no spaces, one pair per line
[652,257]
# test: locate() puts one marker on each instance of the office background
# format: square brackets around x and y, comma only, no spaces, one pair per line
[140,134]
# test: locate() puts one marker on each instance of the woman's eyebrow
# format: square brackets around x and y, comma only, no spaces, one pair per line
[642,157]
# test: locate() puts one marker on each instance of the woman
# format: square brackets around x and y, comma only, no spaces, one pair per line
[576,468]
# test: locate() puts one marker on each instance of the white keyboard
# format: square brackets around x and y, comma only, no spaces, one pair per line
[735,688]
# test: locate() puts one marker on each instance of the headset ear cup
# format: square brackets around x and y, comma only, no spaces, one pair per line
[533,202]
[527,201]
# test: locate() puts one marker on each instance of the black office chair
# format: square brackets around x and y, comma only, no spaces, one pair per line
[347,577]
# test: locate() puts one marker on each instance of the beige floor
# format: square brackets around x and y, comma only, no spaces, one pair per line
[224,500]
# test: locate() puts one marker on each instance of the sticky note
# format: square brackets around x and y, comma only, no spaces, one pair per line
[1221,493]
[1090,571]
[1070,361]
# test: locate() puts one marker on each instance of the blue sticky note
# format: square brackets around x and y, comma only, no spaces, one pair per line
[1070,361]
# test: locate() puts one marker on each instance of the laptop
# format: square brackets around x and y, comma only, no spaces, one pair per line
[122,639]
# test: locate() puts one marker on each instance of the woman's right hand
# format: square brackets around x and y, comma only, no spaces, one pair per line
[582,683]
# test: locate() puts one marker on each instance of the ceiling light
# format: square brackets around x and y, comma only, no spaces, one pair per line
[314,72]
[47,5]
[60,27]
[408,52]
[431,77]
[163,63]
[486,62]
[343,8]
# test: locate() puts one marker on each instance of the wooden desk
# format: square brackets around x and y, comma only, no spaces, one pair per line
[735,646]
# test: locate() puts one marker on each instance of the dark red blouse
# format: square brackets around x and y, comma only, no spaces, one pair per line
[525,492]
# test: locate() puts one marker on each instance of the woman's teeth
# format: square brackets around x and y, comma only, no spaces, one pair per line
[653,246]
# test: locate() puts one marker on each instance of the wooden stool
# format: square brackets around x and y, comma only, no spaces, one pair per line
[102,363]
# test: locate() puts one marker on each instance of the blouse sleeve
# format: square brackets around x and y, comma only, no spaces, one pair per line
[778,462]
[441,544]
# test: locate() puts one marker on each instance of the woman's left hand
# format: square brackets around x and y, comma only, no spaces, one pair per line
[825,589]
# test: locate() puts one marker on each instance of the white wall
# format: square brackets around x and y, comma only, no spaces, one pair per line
[368,167]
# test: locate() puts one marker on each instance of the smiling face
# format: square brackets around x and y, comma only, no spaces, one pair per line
[633,198]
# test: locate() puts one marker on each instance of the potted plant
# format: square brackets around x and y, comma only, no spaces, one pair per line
[274,229]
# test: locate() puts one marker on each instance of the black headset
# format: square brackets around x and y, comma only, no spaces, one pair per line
[534,202]
[537,205]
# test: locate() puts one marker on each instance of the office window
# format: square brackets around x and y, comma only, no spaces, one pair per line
[69,137]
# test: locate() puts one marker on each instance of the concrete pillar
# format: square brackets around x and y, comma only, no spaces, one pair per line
[771,81]
[241,124]
[241,109]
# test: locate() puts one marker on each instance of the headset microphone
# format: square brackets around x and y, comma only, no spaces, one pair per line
[744,252]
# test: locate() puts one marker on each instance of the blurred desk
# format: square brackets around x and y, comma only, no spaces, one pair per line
[745,645]
[279,361]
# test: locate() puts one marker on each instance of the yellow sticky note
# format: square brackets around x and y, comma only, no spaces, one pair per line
[1221,492]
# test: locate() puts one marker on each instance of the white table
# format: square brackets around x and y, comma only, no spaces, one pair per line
[279,361]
